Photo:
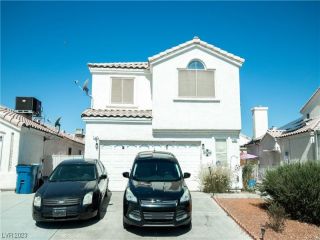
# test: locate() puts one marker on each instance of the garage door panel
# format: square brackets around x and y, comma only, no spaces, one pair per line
[119,157]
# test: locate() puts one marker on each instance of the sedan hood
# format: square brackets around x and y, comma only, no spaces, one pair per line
[157,190]
[66,189]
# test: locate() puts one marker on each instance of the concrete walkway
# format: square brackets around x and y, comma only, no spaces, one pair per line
[209,222]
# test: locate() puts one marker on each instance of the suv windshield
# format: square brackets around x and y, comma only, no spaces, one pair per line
[156,170]
[74,172]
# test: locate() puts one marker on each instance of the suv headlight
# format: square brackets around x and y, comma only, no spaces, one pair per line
[130,197]
[37,201]
[185,197]
[87,198]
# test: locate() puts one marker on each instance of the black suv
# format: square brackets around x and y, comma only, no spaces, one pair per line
[156,193]
[75,190]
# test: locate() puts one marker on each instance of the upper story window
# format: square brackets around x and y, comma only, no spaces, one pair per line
[122,91]
[196,81]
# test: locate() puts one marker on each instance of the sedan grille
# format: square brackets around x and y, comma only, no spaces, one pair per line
[158,215]
[61,201]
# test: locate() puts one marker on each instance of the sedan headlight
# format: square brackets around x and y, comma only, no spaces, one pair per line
[87,198]
[130,197]
[37,201]
[185,197]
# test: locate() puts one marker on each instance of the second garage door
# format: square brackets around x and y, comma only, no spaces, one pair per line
[118,158]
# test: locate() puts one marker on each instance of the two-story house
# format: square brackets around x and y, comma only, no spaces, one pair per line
[185,100]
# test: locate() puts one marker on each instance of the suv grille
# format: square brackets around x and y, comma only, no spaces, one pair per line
[159,203]
[158,215]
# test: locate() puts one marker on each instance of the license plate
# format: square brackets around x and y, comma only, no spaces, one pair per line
[58,212]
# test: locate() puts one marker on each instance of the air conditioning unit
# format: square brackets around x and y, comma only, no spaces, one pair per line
[28,105]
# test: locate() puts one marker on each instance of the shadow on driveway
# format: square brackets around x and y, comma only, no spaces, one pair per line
[158,232]
[77,224]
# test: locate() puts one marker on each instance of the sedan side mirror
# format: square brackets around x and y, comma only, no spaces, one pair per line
[186,175]
[103,176]
[125,174]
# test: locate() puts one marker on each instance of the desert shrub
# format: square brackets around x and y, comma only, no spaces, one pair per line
[277,216]
[247,174]
[296,187]
[215,179]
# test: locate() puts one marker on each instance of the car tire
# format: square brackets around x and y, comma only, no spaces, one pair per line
[99,215]
[125,225]
[188,226]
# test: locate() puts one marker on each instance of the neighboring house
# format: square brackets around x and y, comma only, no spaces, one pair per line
[185,100]
[244,139]
[24,141]
[297,141]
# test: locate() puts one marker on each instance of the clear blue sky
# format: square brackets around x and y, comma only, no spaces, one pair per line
[45,46]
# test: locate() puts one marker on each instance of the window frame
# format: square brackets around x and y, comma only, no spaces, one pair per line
[225,163]
[198,97]
[133,92]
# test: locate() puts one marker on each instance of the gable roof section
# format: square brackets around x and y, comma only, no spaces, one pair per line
[314,96]
[18,120]
[121,65]
[197,41]
[146,65]
[117,113]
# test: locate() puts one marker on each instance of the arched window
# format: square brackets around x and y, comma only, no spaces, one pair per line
[196,64]
[196,81]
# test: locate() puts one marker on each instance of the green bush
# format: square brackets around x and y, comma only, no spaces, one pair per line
[247,175]
[215,179]
[277,216]
[296,187]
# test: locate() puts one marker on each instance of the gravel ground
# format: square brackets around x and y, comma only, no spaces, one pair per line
[250,214]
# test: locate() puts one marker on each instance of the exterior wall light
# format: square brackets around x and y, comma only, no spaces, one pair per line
[97,142]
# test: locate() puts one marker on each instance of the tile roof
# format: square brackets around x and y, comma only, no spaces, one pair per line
[197,40]
[275,132]
[302,126]
[20,121]
[121,65]
[311,125]
[121,113]
[145,65]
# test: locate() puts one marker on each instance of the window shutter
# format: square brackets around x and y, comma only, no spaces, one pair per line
[205,83]
[187,83]
[116,91]
[127,88]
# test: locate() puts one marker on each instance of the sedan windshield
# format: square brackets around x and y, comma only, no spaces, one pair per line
[156,170]
[74,172]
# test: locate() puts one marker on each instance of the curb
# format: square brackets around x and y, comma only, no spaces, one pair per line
[235,219]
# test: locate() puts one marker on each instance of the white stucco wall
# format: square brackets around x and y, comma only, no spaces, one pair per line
[101,89]
[223,112]
[29,147]
[300,148]
[7,173]
[142,132]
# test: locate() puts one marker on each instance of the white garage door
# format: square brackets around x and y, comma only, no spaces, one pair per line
[118,158]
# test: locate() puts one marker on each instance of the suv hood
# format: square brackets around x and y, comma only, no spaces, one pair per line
[66,189]
[157,190]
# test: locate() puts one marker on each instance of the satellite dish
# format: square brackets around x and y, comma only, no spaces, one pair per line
[85,87]
[57,123]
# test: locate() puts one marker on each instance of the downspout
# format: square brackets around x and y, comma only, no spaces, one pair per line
[316,150]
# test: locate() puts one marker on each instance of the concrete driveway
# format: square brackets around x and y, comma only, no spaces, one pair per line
[209,222]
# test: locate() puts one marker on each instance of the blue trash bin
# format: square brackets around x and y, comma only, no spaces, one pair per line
[24,182]
[251,183]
